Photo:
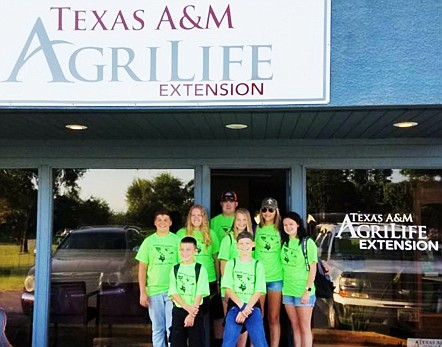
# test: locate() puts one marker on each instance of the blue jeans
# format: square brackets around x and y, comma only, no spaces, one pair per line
[160,313]
[254,326]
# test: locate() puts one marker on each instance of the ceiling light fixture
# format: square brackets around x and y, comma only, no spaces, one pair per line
[236,126]
[76,126]
[405,124]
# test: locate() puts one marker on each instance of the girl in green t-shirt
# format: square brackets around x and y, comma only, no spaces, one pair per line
[268,252]
[197,226]
[229,250]
[298,283]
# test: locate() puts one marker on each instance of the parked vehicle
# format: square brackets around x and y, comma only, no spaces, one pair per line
[379,287]
[95,255]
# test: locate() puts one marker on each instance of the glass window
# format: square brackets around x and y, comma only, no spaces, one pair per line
[101,217]
[380,233]
[18,206]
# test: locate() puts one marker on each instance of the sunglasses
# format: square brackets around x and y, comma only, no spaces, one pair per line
[265,209]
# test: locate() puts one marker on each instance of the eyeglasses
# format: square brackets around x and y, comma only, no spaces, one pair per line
[265,209]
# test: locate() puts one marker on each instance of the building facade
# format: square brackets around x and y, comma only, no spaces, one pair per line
[385,63]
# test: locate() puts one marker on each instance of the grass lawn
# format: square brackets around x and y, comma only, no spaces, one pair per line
[14,266]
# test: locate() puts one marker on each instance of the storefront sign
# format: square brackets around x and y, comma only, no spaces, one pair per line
[164,53]
[379,232]
[424,342]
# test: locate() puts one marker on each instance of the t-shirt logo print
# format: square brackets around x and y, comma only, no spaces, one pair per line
[242,286]
[245,280]
[286,257]
[182,286]
[288,254]
[161,256]
[267,245]
[185,283]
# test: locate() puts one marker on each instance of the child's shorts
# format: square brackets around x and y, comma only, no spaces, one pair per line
[296,301]
[275,286]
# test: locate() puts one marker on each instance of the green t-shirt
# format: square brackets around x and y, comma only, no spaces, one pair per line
[160,253]
[205,254]
[242,278]
[185,283]
[295,272]
[221,225]
[228,249]
[268,251]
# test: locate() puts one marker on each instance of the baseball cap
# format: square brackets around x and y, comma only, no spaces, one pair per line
[269,203]
[229,195]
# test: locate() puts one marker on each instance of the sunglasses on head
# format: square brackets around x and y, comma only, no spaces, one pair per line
[265,209]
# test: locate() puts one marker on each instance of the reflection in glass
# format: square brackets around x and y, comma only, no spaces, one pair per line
[18,202]
[379,231]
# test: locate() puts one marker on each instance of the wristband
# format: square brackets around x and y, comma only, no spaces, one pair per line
[243,307]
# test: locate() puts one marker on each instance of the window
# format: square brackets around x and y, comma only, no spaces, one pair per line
[380,232]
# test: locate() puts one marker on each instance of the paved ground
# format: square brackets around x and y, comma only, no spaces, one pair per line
[18,331]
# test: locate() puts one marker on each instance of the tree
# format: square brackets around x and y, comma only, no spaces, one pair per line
[144,197]
[350,190]
[94,211]
[18,196]
[18,192]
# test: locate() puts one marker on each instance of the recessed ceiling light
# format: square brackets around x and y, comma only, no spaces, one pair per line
[405,124]
[76,126]
[236,126]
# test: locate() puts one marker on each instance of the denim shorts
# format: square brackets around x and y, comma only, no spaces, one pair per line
[296,300]
[275,286]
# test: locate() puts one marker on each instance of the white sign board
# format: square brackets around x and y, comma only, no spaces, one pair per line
[164,53]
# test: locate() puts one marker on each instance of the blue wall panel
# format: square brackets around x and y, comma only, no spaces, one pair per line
[386,52]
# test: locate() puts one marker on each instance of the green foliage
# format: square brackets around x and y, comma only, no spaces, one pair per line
[144,197]
[366,191]
[71,212]
[18,200]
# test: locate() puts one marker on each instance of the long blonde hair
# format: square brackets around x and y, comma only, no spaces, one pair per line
[205,229]
[246,213]
[276,222]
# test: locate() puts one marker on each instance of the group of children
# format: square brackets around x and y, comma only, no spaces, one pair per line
[186,277]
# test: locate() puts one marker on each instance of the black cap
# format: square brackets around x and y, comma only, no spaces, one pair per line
[229,195]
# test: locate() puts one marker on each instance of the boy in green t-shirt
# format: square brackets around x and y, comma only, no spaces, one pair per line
[157,255]
[244,283]
[188,286]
